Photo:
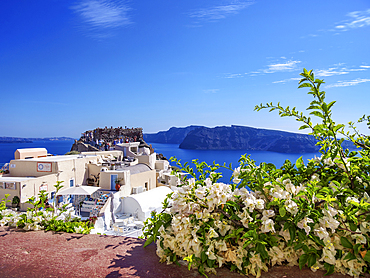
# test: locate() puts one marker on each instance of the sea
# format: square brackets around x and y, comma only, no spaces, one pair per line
[227,156]
[57,147]
[169,150]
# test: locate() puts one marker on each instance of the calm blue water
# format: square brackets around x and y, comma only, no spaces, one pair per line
[54,147]
[228,156]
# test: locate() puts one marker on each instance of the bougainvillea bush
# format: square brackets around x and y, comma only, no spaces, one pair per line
[41,218]
[314,214]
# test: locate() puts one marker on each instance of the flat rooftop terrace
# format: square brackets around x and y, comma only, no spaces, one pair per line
[56,158]
[47,254]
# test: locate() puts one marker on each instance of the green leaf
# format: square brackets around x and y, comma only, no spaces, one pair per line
[305,85]
[282,211]
[301,236]
[367,256]
[304,127]
[148,241]
[262,250]
[346,243]
[324,107]
[292,231]
[303,260]
[317,114]
[350,257]
[299,163]
[287,225]
[329,269]
[298,246]
[337,127]
[311,259]
[352,226]
[210,263]
[203,256]
[356,248]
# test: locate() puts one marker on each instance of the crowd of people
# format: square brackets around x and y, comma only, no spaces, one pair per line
[104,138]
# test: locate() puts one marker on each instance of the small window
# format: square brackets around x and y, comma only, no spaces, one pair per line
[10,185]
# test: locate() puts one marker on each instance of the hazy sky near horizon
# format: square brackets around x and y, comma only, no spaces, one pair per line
[70,66]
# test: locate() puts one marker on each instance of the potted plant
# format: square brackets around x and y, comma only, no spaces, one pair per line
[15,202]
[90,181]
[118,186]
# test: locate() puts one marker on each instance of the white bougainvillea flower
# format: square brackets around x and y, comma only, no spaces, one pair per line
[224,228]
[328,161]
[329,222]
[212,233]
[276,255]
[79,229]
[360,239]
[330,212]
[245,218]
[291,206]
[303,224]
[291,188]
[267,214]
[236,174]
[278,192]
[321,233]
[250,203]
[351,200]
[191,182]
[260,204]
[328,253]
[317,158]
[300,188]
[267,226]
[200,192]
[285,234]
[315,177]
[340,164]
[365,227]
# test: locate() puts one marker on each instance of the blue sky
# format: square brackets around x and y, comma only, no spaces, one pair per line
[71,66]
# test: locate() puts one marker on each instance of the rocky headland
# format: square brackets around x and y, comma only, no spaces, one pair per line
[175,135]
[238,138]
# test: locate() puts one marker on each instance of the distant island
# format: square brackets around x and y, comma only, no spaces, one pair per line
[30,140]
[237,138]
[175,135]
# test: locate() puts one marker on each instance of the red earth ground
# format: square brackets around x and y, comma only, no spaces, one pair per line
[46,254]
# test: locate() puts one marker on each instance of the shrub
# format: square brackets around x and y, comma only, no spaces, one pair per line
[314,214]
[41,218]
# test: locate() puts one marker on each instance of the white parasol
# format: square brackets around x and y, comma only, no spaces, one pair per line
[79,190]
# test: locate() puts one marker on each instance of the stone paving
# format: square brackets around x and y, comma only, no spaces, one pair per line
[42,254]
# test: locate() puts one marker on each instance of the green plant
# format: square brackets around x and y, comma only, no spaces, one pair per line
[41,218]
[3,203]
[72,153]
[314,214]
[16,200]
[118,180]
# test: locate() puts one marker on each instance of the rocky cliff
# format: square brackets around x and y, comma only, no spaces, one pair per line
[175,135]
[238,138]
